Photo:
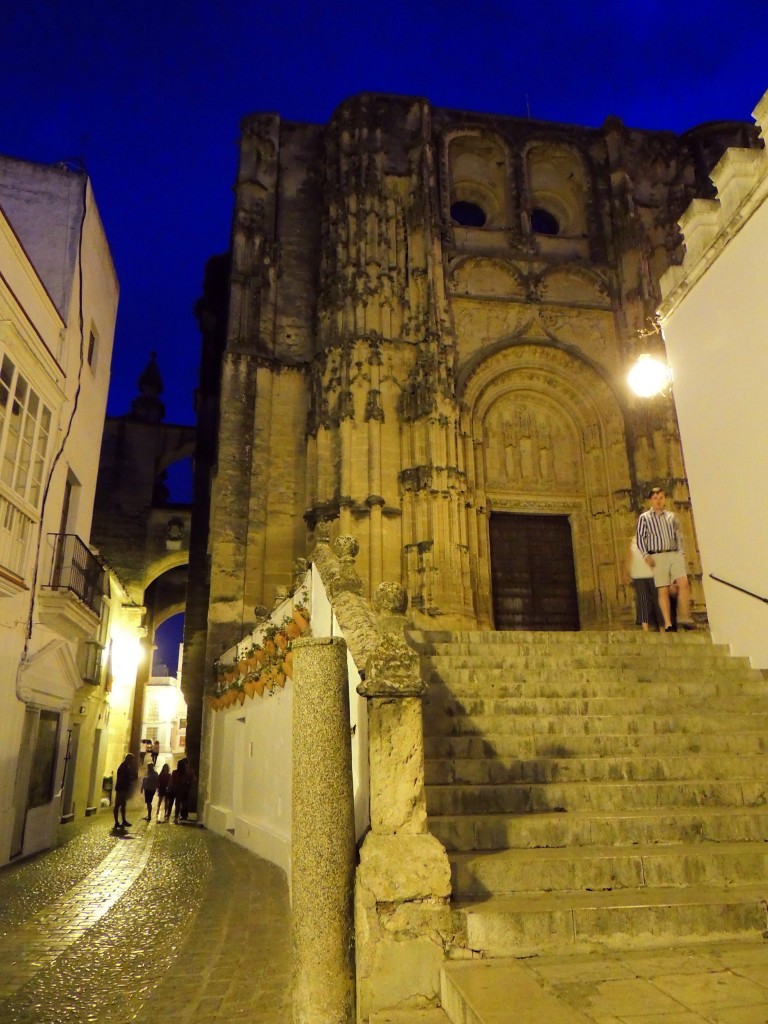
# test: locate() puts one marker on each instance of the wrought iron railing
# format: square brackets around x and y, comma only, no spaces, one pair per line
[76,569]
[741,590]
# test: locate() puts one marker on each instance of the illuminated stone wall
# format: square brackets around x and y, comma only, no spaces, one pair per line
[432,314]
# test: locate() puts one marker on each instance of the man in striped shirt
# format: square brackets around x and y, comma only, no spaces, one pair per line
[661,545]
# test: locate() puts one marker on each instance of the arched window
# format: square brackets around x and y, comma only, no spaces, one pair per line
[478,181]
[543,222]
[469,215]
[556,185]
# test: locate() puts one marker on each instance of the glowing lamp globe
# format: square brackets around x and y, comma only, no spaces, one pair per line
[648,376]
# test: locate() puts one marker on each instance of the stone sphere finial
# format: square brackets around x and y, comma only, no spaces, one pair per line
[390,599]
[346,547]
[260,613]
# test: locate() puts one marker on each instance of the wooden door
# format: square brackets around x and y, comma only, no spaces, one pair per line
[532,572]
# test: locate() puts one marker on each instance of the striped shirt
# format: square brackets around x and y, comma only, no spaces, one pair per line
[658,531]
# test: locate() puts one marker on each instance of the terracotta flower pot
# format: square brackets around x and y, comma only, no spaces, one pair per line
[240,697]
[292,629]
[259,657]
[288,663]
[249,687]
[300,619]
[280,678]
[269,647]
[281,641]
[259,686]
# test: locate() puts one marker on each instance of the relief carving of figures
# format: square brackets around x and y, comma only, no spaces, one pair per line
[528,445]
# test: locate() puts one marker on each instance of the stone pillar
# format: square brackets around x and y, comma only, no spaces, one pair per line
[323,854]
[402,915]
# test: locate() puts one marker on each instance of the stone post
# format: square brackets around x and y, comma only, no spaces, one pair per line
[402,914]
[323,853]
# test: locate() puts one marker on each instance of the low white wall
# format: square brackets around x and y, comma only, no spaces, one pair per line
[251,752]
[251,775]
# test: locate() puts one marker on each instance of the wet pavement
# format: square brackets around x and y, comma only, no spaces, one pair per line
[160,921]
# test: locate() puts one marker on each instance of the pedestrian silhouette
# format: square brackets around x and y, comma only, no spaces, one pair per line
[149,788]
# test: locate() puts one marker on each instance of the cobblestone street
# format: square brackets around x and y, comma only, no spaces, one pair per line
[162,921]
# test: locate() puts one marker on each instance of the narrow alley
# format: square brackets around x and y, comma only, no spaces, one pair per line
[160,921]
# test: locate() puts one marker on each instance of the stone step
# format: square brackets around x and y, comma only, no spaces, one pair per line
[529,925]
[586,683]
[501,991]
[596,662]
[550,706]
[534,747]
[697,721]
[644,826]
[498,770]
[429,639]
[608,867]
[537,798]
[428,1016]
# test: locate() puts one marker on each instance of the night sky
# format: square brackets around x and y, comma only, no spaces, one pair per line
[149,96]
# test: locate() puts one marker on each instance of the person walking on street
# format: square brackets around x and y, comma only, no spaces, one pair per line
[640,575]
[182,780]
[124,779]
[155,751]
[149,788]
[661,545]
[163,787]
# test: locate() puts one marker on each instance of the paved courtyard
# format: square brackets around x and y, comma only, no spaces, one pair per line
[164,922]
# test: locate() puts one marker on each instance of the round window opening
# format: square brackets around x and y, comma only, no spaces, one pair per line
[543,222]
[469,215]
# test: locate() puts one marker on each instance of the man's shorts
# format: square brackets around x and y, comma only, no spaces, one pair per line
[670,566]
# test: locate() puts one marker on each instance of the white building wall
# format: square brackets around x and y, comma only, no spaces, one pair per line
[715,323]
[40,331]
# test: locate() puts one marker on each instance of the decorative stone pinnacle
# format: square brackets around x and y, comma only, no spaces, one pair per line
[346,548]
[323,532]
[393,668]
[260,613]
[390,598]
[348,581]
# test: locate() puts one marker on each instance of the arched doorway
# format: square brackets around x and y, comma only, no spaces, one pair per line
[546,440]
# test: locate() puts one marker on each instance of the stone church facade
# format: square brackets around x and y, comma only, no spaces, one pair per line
[431,316]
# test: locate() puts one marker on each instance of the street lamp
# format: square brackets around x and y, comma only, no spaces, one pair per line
[649,376]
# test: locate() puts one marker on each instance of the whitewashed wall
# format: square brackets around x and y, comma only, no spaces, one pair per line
[715,323]
[251,750]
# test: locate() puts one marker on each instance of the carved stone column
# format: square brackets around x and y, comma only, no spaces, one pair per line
[323,853]
[402,917]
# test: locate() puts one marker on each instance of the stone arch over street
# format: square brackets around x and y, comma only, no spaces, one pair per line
[545,435]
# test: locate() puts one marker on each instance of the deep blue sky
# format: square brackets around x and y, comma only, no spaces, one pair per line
[151,93]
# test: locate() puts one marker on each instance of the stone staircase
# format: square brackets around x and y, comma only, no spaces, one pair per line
[596,790]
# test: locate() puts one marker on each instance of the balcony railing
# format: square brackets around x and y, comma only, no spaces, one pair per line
[76,569]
